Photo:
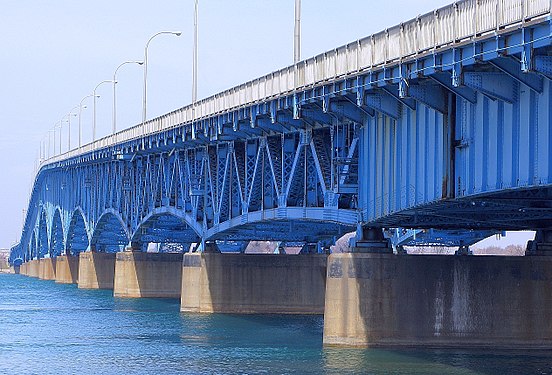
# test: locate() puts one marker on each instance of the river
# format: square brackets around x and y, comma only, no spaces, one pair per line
[48,328]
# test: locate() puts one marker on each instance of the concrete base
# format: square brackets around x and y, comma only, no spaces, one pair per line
[47,269]
[96,270]
[33,269]
[253,283]
[139,274]
[67,269]
[23,269]
[387,300]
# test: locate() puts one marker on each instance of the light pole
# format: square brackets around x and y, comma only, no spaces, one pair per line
[194,69]
[54,140]
[297,33]
[177,33]
[95,96]
[114,93]
[49,132]
[60,125]
[194,65]
[69,123]
[80,113]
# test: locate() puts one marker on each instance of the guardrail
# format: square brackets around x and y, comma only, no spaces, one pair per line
[459,21]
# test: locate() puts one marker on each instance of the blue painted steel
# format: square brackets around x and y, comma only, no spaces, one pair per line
[455,138]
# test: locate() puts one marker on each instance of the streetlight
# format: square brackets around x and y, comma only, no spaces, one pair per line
[297,33]
[54,139]
[177,33]
[69,126]
[50,132]
[194,69]
[114,94]
[194,65]
[60,125]
[95,96]
[80,113]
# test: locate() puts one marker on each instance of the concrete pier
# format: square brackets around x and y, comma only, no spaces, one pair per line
[23,269]
[470,301]
[139,274]
[47,269]
[96,270]
[253,283]
[33,269]
[67,269]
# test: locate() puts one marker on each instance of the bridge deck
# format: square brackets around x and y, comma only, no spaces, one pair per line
[444,28]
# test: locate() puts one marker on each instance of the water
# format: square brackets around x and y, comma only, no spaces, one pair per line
[48,328]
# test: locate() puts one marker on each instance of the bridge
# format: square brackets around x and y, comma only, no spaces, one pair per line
[441,125]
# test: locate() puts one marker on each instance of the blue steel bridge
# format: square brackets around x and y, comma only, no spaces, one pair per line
[443,122]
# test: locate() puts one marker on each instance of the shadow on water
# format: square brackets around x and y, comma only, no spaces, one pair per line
[436,361]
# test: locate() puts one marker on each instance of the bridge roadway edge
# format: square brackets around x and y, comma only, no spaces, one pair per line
[438,301]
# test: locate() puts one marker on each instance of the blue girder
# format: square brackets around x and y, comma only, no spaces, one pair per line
[394,146]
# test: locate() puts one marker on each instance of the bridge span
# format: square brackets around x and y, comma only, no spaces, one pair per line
[442,123]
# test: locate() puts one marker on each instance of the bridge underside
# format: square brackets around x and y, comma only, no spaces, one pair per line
[521,209]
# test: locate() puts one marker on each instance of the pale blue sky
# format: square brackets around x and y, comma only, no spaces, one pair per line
[55,52]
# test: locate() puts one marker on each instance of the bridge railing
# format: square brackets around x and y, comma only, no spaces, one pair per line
[457,22]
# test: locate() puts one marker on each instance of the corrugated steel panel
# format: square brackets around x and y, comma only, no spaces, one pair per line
[503,145]
[444,25]
[341,61]
[465,19]
[512,11]
[536,7]
[410,38]
[426,38]
[394,43]
[487,15]
[401,162]
[380,48]
[366,53]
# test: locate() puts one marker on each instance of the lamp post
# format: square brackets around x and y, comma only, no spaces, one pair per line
[80,113]
[114,92]
[145,94]
[297,33]
[69,126]
[60,125]
[54,140]
[194,65]
[95,96]
[49,132]
[194,69]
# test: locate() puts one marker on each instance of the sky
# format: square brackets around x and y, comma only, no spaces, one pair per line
[53,54]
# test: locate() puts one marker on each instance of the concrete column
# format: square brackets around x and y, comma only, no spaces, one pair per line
[156,275]
[23,269]
[47,269]
[33,269]
[253,283]
[67,269]
[485,301]
[96,270]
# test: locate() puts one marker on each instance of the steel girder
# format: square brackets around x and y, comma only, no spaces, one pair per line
[283,187]
[303,151]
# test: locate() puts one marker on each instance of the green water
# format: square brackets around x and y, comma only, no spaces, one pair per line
[48,328]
